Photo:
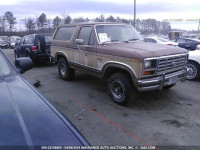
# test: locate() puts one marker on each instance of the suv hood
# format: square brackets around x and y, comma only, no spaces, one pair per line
[27,120]
[139,50]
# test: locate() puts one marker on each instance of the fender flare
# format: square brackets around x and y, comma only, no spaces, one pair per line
[60,53]
[122,66]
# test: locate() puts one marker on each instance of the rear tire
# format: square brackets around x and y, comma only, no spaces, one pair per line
[193,71]
[120,88]
[64,71]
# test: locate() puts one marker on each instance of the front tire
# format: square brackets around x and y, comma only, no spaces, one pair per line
[64,71]
[120,88]
[193,71]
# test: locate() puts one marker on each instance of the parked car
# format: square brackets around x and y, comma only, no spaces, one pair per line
[193,64]
[117,52]
[188,43]
[34,46]
[4,44]
[159,40]
[12,40]
[26,117]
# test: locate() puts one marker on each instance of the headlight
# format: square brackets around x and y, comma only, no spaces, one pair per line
[150,67]
[147,64]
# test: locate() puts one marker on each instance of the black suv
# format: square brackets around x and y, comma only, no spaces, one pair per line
[35,46]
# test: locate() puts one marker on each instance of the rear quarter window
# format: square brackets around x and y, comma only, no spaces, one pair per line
[64,33]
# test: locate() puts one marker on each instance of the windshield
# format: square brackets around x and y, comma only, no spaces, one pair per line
[116,33]
[4,38]
[4,68]
[48,38]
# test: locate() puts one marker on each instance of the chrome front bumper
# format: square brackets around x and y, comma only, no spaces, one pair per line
[158,83]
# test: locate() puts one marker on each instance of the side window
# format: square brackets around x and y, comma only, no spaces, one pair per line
[91,41]
[153,41]
[25,40]
[64,33]
[150,40]
[31,40]
[22,41]
[189,41]
[181,41]
[85,34]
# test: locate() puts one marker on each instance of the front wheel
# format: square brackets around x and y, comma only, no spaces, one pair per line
[119,87]
[193,70]
[64,71]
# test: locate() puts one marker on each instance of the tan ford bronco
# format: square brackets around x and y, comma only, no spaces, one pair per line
[117,52]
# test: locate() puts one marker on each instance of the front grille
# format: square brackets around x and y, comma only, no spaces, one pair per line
[172,63]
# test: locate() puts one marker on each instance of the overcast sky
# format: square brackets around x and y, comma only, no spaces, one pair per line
[157,9]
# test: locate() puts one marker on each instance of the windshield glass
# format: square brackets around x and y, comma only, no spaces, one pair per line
[4,38]
[116,33]
[4,67]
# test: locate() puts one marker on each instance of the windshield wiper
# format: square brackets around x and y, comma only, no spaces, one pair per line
[110,41]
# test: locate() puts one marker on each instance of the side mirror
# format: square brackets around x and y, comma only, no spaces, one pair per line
[23,64]
[79,41]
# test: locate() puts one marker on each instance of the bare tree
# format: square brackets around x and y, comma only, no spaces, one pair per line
[80,19]
[30,24]
[111,19]
[49,23]
[100,19]
[67,20]
[42,21]
[56,22]
[2,23]
[11,20]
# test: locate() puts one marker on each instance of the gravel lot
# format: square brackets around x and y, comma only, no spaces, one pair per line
[164,118]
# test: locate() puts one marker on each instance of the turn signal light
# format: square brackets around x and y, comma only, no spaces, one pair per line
[146,73]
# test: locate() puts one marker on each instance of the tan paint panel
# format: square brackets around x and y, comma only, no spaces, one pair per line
[135,65]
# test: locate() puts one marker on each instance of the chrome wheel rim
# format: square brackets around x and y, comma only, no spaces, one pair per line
[192,71]
[63,69]
[117,90]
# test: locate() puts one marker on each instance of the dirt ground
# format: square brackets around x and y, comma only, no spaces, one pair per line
[158,118]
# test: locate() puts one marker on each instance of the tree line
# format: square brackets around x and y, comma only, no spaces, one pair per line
[43,24]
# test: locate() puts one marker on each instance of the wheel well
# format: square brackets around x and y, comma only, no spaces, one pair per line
[111,70]
[194,62]
[59,57]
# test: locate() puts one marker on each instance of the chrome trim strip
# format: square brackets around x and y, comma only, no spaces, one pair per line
[99,70]
[86,66]
[158,59]
[160,81]
[166,56]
